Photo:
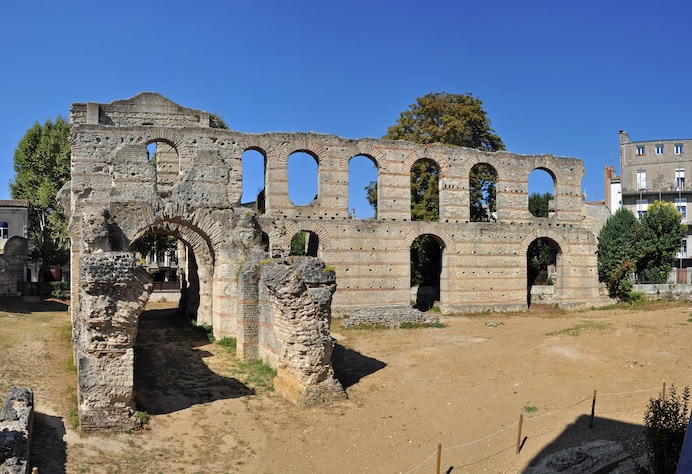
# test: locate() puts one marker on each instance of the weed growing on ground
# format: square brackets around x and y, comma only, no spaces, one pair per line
[585,326]
[228,343]
[73,414]
[257,373]
[530,408]
[142,418]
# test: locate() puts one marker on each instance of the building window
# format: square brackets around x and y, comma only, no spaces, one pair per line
[640,150]
[641,179]
[4,230]
[678,148]
[683,248]
[681,206]
[642,207]
[679,178]
[659,149]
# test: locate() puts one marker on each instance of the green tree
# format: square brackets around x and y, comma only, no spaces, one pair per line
[539,204]
[482,193]
[425,192]
[298,242]
[371,194]
[662,233]
[42,166]
[618,252]
[451,119]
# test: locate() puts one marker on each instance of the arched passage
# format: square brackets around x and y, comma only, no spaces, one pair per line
[482,193]
[425,191]
[542,271]
[254,164]
[163,156]
[426,269]
[362,187]
[305,242]
[541,192]
[303,176]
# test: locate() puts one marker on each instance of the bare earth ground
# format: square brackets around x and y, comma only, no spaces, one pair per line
[464,386]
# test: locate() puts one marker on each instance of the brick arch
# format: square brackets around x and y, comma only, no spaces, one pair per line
[165,135]
[303,144]
[365,149]
[294,228]
[187,233]
[260,144]
[544,233]
[432,230]
[430,154]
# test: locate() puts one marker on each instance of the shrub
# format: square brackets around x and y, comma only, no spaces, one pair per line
[666,422]
[59,289]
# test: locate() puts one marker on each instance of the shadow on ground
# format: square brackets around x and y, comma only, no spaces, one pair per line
[170,373]
[630,436]
[351,366]
[48,448]
[15,304]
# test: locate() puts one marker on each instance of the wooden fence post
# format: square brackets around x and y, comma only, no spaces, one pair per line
[439,457]
[521,421]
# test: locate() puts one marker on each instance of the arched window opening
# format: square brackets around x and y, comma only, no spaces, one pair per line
[482,193]
[541,193]
[264,241]
[362,187]
[253,176]
[158,254]
[304,243]
[425,191]
[303,173]
[165,159]
[426,267]
[542,258]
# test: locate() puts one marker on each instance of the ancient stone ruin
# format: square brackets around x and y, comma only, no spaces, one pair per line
[238,277]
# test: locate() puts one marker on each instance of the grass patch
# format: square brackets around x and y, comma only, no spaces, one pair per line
[73,414]
[256,372]
[228,343]
[530,408]
[581,328]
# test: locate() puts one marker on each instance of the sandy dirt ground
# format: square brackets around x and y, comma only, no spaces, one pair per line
[463,386]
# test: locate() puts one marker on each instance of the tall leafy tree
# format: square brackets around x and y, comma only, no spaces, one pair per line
[618,252]
[425,192]
[42,166]
[662,232]
[539,204]
[452,119]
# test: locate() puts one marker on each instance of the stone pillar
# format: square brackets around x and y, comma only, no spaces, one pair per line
[113,291]
[299,293]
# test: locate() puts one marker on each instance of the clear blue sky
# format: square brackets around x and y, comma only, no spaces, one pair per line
[555,77]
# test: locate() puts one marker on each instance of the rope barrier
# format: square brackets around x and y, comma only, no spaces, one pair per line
[530,420]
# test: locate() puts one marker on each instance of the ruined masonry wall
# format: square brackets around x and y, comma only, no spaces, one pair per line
[484,264]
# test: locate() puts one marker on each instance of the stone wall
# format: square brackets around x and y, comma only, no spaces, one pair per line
[12,264]
[16,431]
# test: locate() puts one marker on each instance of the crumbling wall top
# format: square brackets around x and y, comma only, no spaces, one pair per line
[144,109]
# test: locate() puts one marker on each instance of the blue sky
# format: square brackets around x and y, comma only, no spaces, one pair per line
[555,77]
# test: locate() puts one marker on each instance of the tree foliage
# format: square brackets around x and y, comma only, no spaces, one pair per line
[451,119]
[42,167]
[482,194]
[425,192]
[666,421]
[662,233]
[618,252]
[539,204]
